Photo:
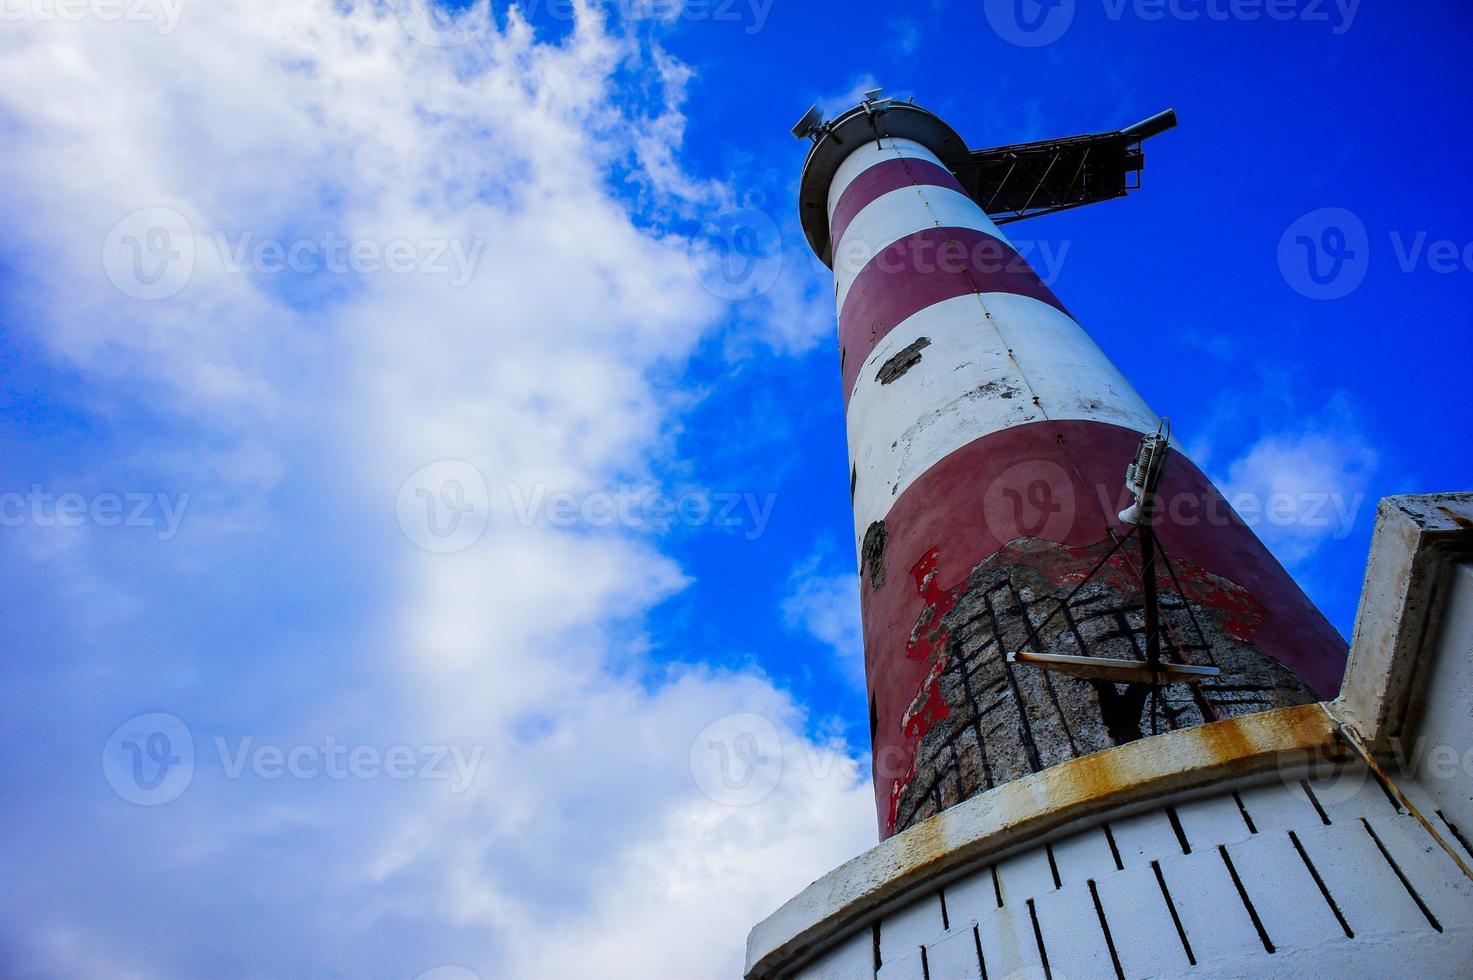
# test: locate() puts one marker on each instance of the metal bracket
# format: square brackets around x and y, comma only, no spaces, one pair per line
[1119,671]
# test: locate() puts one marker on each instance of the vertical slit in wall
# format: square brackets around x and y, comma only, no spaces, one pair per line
[1401,875]
[997,885]
[925,965]
[875,933]
[945,919]
[1181,835]
[1038,938]
[976,719]
[1247,819]
[1114,851]
[1309,792]
[1048,675]
[1324,889]
[1053,866]
[1181,932]
[1458,834]
[1105,928]
[981,960]
[1030,747]
[1268,943]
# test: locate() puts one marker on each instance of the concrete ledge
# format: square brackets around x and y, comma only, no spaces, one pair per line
[1417,537]
[1030,808]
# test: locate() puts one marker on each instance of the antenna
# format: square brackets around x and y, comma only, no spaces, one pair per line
[1141,478]
[811,125]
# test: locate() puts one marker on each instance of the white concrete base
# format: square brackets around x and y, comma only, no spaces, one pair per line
[1257,847]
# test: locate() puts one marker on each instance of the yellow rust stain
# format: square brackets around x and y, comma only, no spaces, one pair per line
[1235,744]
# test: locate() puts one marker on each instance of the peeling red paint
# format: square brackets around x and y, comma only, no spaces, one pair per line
[1221,564]
[927,644]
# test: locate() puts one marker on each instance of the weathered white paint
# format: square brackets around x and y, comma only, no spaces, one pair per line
[1399,608]
[1444,758]
[967,386]
[867,155]
[1392,935]
[891,217]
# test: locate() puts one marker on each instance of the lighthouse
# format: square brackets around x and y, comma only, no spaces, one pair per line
[1111,735]
[989,437]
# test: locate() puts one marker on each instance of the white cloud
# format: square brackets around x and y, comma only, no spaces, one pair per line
[825,605]
[295,407]
[1302,487]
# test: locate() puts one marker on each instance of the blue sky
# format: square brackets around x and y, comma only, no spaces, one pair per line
[531,317]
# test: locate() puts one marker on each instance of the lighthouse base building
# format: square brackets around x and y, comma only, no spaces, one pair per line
[1331,840]
[1111,736]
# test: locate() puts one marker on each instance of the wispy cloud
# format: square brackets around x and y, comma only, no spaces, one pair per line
[824,603]
[291,608]
[1303,482]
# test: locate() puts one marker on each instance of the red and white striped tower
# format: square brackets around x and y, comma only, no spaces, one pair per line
[988,441]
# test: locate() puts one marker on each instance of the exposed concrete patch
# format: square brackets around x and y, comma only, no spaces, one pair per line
[902,362]
[997,389]
[872,554]
[986,722]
